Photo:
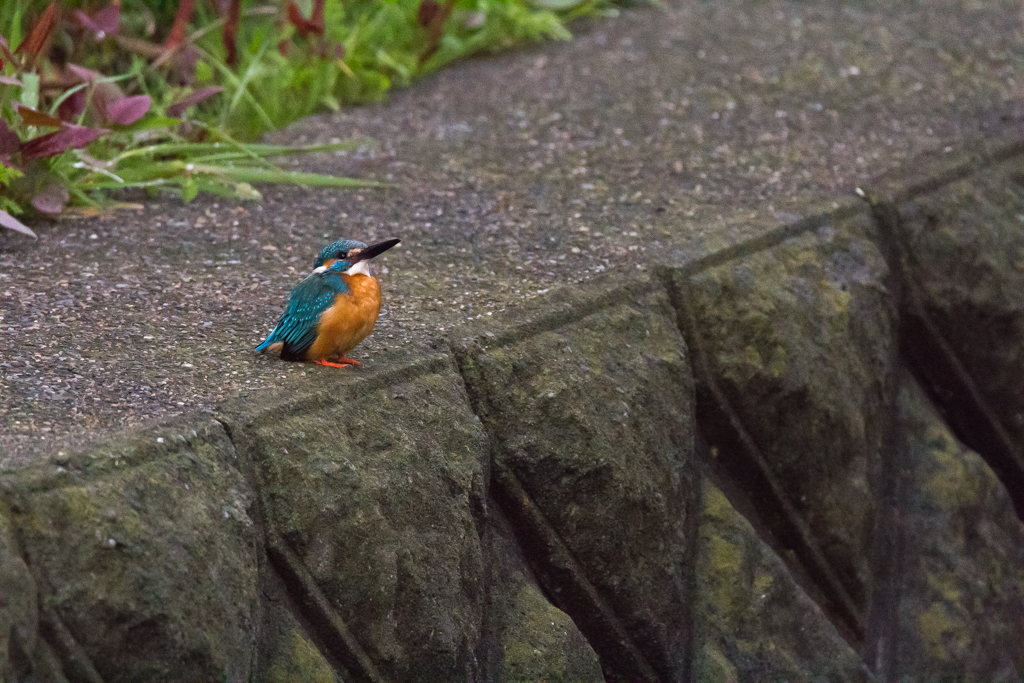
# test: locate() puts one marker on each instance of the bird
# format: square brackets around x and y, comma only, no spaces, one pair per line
[333,309]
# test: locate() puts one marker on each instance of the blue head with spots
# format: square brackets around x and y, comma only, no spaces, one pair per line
[345,254]
[338,251]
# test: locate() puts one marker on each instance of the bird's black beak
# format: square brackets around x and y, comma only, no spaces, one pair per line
[374,250]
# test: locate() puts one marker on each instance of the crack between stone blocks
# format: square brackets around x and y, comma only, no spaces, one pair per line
[691,581]
[963,407]
[549,557]
[332,637]
[751,472]
[939,370]
[247,471]
[538,541]
[889,547]
[932,363]
[74,661]
[307,603]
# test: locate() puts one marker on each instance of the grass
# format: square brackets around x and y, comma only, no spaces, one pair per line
[98,96]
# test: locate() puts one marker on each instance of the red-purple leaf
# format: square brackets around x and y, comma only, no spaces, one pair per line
[52,199]
[40,32]
[68,137]
[231,32]
[183,59]
[432,15]
[9,141]
[72,106]
[104,93]
[84,74]
[177,35]
[6,49]
[297,20]
[10,222]
[108,19]
[317,17]
[31,117]
[128,110]
[7,80]
[177,108]
[303,26]
[86,21]
[102,24]
[428,9]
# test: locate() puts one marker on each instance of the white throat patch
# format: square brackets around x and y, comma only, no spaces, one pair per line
[361,268]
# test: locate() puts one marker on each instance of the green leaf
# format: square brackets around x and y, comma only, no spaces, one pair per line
[15,35]
[9,174]
[557,5]
[10,206]
[151,121]
[189,189]
[252,174]
[30,90]
[204,72]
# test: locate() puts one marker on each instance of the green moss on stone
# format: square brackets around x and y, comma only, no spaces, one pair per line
[725,559]
[539,643]
[373,489]
[146,552]
[961,594]
[300,662]
[800,340]
[594,417]
[935,626]
[714,667]
[752,621]
[949,483]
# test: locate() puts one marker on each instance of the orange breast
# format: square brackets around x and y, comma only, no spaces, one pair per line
[349,321]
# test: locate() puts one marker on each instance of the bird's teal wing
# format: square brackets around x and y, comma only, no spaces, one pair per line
[297,328]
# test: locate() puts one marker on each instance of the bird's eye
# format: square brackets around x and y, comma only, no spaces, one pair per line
[341,254]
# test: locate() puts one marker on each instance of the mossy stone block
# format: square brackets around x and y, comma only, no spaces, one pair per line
[589,403]
[19,610]
[961,587]
[540,643]
[754,623]
[286,653]
[800,341]
[144,551]
[299,661]
[372,483]
[527,638]
[964,248]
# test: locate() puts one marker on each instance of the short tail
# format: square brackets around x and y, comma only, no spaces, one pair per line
[271,338]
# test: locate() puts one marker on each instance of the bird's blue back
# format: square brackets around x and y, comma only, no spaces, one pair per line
[297,328]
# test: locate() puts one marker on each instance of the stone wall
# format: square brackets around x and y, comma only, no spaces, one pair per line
[799,458]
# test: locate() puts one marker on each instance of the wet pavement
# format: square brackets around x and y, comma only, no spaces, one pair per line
[664,134]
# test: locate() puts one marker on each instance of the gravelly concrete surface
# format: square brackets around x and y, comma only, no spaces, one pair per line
[667,133]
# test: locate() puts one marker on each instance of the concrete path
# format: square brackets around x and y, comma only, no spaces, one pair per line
[671,132]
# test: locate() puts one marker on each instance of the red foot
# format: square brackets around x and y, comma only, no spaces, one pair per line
[343,363]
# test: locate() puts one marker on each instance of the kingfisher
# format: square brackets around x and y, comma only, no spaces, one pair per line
[333,309]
